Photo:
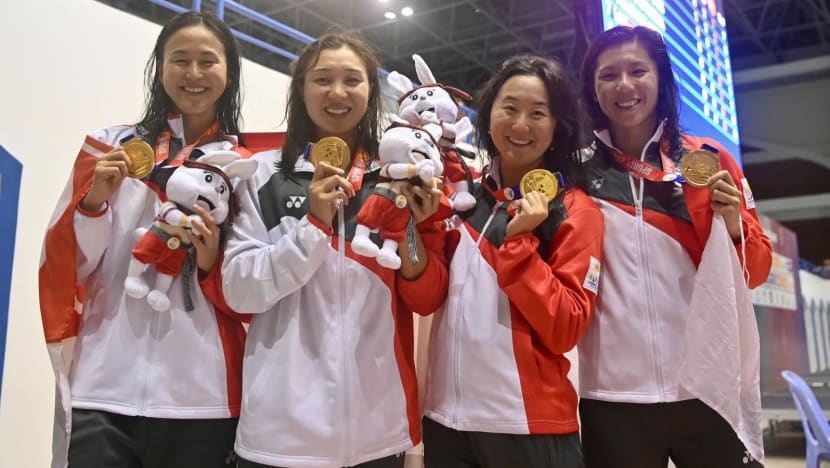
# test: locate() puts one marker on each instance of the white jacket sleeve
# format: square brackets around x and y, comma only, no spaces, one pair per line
[260,268]
[93,235]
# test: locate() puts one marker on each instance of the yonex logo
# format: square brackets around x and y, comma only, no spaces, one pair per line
[295,201]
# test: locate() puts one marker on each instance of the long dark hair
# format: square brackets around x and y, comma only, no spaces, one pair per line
[300,129]
[159,103]
[667,97]
[564,105]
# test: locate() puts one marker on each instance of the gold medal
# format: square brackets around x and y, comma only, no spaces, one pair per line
[142,158]
[698,166]
[331,150]
[540,180]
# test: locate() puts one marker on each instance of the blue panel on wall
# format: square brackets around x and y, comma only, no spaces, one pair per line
[10,170]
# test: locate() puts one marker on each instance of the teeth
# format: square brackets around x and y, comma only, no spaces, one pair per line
[194,90]
[337,111]
[630,103]
[518,142]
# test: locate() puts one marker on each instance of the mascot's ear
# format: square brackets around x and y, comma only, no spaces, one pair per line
[394,118]
[241,169]
[219,157]
[422,70]
[463,128]
[399,83]
[433,129]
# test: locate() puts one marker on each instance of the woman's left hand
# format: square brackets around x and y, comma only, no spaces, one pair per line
[423,201]
[532,211]
[726,200]
[205,237]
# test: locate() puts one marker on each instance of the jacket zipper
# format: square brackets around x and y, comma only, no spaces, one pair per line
[456,345]
[645,268]
[344,326]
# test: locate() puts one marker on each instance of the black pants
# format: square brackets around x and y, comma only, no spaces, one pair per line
[393,461]
[107,440]
[630,435]
[448,448]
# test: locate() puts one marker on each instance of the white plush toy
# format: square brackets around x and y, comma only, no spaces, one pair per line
[408,154]
[433,102]
[166,244]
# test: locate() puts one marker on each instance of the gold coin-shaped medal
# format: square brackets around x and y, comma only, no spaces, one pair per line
[331,150]
[540,180]
[142,158]
[698,166]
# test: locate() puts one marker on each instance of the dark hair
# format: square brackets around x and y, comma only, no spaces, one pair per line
[564,105]
[159,103]
[667,98]
[300,129]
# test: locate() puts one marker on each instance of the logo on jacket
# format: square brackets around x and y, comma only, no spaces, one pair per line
[748,198]
[591,282]
[596,184]
[295,201]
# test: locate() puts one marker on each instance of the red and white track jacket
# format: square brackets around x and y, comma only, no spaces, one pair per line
[632,349]
[329,374]
[111,352]
[514,306]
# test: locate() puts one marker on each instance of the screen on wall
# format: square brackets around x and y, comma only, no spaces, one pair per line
[695,34]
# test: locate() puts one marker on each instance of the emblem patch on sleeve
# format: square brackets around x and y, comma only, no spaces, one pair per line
[592,277]
[748,198]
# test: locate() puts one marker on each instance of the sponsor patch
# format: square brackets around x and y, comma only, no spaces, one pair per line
[748,198]
[592,277]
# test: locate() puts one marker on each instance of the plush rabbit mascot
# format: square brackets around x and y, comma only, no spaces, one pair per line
[435,103]
[166,244]
[408,154]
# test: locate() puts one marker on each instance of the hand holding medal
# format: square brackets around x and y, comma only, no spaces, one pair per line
[329,186]
[538,188]
[698,166]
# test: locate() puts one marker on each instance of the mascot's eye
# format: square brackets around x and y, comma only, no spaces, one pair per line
[429,93]
[208,177]
[414,97]
[418,135]
[222,189]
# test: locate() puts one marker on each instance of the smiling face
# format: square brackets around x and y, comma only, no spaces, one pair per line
[336,93]
[626,86]
[194,72]
[521,124]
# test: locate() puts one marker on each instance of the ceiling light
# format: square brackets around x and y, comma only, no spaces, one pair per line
[390,15]
[407,11]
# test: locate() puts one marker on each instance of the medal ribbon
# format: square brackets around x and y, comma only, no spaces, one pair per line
[163,145]
[358,170]
[646,170]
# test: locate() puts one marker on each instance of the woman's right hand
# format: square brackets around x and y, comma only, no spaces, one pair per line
[110,171]
[532,211]
[328,186]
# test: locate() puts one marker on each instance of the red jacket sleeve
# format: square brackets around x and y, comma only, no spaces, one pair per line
[756,243]
[425,294]
[211,283]
[556,295]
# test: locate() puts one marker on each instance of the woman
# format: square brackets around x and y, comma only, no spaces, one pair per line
[146,388]
[329,375]
[635,409]
[522,285]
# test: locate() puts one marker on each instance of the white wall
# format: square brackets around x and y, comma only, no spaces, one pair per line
[69,67]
